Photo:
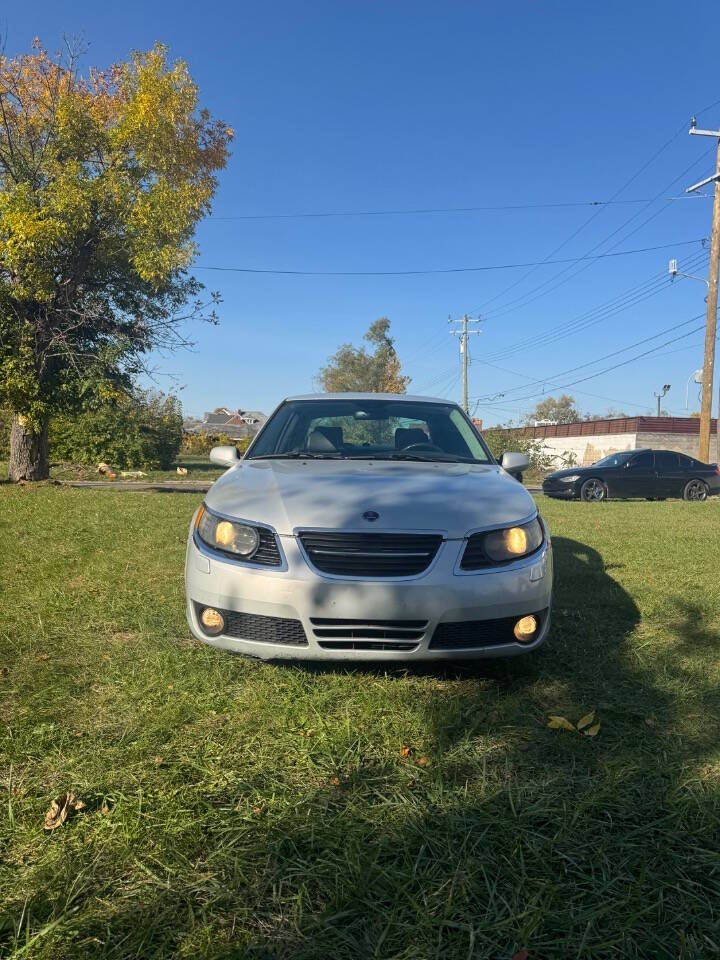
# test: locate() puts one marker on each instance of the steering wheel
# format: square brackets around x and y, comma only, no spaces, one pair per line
[423,445]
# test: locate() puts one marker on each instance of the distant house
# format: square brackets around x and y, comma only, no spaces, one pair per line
[236,424]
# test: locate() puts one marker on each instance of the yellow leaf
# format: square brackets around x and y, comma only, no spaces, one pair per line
[586,720]
[560,723]
[592,731]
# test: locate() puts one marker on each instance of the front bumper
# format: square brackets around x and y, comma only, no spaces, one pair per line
[561,491]
[297,592]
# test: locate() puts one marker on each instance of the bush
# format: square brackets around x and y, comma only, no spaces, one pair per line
[500,441]
[202,443]
[143,431]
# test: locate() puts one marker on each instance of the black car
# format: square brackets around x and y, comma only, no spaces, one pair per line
[653,474]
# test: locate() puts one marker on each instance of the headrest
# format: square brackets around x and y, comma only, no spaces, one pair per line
[406,436]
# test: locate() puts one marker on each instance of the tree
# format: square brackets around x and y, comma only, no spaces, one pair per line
[611,414]
[353,369]
[103,178]
[558,409]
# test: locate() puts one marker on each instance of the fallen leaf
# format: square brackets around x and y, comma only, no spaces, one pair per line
[335,781]
[586,720]
[521,955]
[60,810]
[258,810]
[422,761]
[104,809]
[560,723]
[42,656]
[405,752]
[592,731]
[182,471]
[157,760]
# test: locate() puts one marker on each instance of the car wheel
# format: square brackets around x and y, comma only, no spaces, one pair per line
[695,490]
[593,490]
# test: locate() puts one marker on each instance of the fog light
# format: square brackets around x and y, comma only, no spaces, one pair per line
[525,629]
[213,622]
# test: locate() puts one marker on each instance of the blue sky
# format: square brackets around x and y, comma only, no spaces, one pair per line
[375,105]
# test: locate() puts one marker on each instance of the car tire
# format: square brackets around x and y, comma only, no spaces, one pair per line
[695,490]
[593,491]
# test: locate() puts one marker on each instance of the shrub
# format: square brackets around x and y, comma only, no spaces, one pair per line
[501,440]
[202,443]
[141,431]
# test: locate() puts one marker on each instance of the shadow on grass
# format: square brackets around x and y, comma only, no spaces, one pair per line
[512,834]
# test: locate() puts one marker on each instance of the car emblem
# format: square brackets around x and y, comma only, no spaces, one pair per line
[371,516]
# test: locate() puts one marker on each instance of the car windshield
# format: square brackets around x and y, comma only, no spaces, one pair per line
[614,459]
[366,429]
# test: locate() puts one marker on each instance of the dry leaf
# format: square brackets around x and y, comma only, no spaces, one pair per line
[560,723]
[405,752]
[258,810]
[422,761]
[521,955]
[157,760]
[586,720]
[42,656]
[592,731]
[104,809]
[182,471]
[335,781]
[60,810]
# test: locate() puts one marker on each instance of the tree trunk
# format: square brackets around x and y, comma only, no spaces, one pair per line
[28,452]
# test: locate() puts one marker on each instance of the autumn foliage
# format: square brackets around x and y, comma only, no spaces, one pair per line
[104,175]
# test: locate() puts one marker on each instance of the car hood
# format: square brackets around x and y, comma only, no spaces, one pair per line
[570,472]
[452,498]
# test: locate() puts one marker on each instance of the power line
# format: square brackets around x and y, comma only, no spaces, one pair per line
[406,273]
[616,366]
[630,298]
[552,283]
[419,211]
[590,363]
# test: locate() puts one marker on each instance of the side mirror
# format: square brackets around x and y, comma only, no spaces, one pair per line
[514,462]
[226,456]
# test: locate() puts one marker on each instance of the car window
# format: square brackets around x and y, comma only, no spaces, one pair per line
[665,460]
[332,427]
[642,461]
[686,463]
[613,460]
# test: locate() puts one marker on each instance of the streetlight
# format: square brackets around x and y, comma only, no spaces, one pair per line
[660,395]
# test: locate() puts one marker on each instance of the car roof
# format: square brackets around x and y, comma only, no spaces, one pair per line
[371,396]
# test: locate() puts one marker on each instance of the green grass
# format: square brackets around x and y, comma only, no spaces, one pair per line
[267,811]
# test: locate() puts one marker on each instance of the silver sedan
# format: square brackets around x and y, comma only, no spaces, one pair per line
[369,527]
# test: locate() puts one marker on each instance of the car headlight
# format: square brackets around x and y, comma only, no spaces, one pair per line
[511,543]
[237,538]
[570,479]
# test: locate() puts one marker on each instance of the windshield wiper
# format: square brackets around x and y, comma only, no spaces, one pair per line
[417,456]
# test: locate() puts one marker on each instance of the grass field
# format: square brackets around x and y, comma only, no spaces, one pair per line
[244,810]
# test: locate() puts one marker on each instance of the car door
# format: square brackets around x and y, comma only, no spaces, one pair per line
[636,478]
[669,474]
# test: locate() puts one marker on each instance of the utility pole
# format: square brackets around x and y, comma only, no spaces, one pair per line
[463,332]
[660,395]
[712,299]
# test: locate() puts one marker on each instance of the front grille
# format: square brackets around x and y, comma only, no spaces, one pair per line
[364,645]
[368,629]
[370,554]
[255,626]
[469,634]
